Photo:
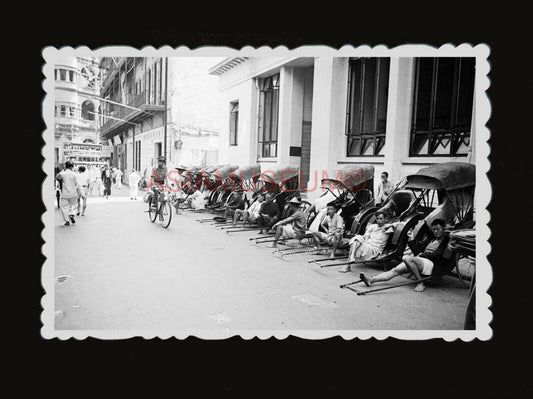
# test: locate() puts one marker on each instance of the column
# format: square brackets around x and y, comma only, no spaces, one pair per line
[290,114]
[399,115]
[330,85]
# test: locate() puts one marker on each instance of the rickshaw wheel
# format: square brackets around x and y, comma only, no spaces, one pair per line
[152,214]
[165,214]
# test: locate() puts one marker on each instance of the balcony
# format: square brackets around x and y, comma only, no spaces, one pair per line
[144,102]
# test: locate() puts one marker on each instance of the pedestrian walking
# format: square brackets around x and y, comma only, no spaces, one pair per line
[107,177]
[118,179]
[69,193]
[133,181]
[83,185]
[92,178]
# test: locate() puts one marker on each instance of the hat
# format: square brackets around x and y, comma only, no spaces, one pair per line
[181,167]
[294,200]
[162,158]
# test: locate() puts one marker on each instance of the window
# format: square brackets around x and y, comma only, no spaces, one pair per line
[442,112]
[366,119]
[71,76]
[62,74]
[87,110]
[63,110]
[158,150]
[233,123]
[268,115]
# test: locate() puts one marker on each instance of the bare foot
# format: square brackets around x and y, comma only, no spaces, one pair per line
[420,287]
[272,246]
[345,269]
[332,256]
[368,282]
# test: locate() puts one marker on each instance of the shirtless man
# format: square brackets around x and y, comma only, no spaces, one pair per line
[421,265]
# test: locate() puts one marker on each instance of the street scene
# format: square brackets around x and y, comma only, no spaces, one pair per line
[264,193]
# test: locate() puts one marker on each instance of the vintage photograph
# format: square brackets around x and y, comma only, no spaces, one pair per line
[266,192]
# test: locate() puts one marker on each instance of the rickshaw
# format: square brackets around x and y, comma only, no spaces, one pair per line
[219,184]
[441,191]
[282,183]
[351,191]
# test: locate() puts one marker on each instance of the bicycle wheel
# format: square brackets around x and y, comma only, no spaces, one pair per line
[152,214]
[165,214]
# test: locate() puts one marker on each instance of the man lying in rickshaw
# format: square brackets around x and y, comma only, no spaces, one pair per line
[268,214]
[251,214]
[235,203]
[334,226]
[372,243]
[292,227]
[423,264]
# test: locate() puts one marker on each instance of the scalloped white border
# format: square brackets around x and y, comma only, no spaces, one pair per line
[483,189]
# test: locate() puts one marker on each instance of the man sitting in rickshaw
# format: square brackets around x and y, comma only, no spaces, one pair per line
[334,226]
[421,265]
[234,204]
[251,214]
[371,244]
[268,214]
[292,227]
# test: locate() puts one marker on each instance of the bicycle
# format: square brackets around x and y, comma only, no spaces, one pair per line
[164,210]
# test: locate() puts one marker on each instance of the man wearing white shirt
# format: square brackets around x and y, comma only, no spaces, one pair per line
[118,179]
[69,193]
[251,214]
[83,185]
[133,181]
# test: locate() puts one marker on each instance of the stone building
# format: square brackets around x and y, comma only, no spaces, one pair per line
[77,87]
[321,113]
[135,94]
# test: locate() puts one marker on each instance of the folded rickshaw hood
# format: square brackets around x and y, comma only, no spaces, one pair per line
[443,176]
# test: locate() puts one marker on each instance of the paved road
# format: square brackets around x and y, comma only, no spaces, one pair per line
[123,272]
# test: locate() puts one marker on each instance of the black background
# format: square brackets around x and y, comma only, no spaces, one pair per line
[372,367]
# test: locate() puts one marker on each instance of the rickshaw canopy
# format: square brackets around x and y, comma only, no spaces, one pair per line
[352,177]
[446,176]
[246,172]
[277,175]
[224,172]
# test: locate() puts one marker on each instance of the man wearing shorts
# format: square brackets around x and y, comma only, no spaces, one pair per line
[333,224]
[421,265]
[292,227]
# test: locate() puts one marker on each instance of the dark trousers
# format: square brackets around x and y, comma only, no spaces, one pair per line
[266,221]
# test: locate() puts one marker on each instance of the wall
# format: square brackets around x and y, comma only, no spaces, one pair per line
[196,109]
[245,153]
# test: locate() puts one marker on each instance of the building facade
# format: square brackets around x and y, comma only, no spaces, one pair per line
[322,113]
[77,87]
[160,106]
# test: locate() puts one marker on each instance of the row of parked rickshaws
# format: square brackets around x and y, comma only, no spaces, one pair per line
[440,191]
